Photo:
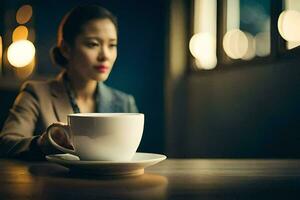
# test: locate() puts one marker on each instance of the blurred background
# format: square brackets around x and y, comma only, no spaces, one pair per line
[215,78]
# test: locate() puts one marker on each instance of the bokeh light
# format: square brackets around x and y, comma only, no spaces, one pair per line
[292,44]
[26,71]
[235,44]
[20,33]
[203,48]
[262,43]
[20,53]
[289,25]
[24,14]
[250,53]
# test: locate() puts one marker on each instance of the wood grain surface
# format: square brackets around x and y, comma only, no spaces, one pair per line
[170,179]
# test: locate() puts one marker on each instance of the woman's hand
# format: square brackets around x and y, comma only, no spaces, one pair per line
[58,136]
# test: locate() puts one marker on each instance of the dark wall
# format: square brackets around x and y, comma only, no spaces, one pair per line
[6,100]
[250,111]
[139,69]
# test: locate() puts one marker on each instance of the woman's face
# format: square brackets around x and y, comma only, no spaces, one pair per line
[94,51]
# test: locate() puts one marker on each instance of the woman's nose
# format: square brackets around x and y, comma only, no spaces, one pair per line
[103,54]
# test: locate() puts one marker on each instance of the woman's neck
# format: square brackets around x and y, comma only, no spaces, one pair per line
[84,89]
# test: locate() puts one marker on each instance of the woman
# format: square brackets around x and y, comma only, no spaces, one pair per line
[86,49]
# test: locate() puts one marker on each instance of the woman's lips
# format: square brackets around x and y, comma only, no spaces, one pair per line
[102,68]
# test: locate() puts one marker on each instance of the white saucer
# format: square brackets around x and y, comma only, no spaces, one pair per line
[108,168]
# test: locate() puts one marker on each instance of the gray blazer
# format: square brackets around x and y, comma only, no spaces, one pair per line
[39,104]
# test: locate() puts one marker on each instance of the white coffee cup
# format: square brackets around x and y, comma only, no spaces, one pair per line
[102,136]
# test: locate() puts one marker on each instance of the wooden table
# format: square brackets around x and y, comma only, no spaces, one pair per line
[170,179]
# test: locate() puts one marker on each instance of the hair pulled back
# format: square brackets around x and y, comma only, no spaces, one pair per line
[72,24]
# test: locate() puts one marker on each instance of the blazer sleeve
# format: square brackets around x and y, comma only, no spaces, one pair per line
[17,138]
[132,105]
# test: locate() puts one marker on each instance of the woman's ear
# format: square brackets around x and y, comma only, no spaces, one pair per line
[65,49]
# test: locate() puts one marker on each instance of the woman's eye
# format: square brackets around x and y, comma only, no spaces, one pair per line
[92,44]
[113,45]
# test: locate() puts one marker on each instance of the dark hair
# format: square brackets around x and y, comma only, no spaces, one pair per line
[71,26]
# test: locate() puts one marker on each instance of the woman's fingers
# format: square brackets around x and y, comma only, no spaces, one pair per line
[58,135]
[61,138]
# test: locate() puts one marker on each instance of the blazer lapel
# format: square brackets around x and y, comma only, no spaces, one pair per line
[62,107]
[108,102]
[60,99]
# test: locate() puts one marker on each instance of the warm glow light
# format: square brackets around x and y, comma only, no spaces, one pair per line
[250,53]
[289,25]
[233,14]
[205,16]
[24,14]
[20,53]
[262,43]
[235,43]
[26,71]
[203,48]
[292,5]
[203,43]
[292,44]
[20,33]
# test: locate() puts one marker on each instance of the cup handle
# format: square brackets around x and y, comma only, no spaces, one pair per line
[66,130]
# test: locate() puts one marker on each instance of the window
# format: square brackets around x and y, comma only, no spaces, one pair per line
[240,31]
